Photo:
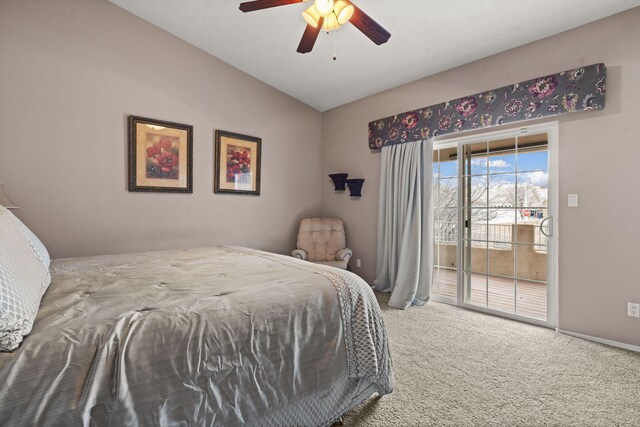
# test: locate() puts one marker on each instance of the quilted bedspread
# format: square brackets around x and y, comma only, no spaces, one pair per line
[210,336]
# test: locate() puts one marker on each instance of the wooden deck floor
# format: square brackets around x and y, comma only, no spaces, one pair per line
[525,299]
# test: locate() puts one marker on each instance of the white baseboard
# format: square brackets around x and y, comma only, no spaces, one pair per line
[612,343]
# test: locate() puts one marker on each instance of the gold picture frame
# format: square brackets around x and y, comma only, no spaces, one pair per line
[237,163]
[160,156]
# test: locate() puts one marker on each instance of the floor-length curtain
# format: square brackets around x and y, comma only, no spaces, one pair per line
[405,224]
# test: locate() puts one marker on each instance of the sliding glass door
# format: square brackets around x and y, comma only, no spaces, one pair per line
[494,246]
[445,214]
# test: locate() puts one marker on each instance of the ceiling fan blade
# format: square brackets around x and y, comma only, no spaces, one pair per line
[368,26]
[250,6]
[309,37]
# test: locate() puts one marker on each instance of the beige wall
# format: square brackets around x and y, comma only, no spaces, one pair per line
[599,269]
[70,73]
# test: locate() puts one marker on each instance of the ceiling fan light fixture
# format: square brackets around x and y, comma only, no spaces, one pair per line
[324,7]
[312,16]
[330,23]
[325,15]
[344,11]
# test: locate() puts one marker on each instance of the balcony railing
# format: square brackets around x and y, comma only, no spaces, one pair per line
[496,236]
[520,252]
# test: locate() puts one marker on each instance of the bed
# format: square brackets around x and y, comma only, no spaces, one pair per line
[211,336]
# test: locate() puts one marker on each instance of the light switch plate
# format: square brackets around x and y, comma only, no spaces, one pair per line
[573,200]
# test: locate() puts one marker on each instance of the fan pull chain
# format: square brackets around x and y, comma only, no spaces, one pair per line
[334,46]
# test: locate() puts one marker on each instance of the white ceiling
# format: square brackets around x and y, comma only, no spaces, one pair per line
[427,37]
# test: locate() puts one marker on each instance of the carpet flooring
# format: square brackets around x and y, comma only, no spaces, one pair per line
[456,367]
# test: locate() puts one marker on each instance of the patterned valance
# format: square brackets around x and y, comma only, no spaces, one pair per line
[572,90]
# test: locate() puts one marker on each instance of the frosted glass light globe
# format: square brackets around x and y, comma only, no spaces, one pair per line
[330,23]
[344,11]
[311,16]
[323,7]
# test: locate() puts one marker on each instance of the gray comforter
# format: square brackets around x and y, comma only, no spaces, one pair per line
[213,336]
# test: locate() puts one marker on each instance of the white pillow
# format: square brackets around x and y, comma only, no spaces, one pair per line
[23,281]
[36,244]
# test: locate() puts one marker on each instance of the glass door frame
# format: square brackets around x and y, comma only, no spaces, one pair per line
[551,129]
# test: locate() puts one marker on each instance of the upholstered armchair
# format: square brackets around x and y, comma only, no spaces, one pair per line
[323,241]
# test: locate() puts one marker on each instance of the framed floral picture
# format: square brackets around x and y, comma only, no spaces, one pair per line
[160,156]
[237,163]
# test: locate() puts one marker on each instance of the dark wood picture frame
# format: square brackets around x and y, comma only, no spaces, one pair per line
[235,154]
[157,154]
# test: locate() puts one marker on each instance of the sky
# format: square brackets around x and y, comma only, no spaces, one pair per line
[532,166]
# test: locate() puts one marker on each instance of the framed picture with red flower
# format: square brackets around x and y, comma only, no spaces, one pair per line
[237,163]
[160,156]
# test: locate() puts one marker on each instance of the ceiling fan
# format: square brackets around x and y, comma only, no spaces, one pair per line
[326,15]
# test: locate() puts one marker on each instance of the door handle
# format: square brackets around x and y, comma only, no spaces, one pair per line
[550,226]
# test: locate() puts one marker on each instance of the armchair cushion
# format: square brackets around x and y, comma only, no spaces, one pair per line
[323,241]
[321,238]
[299,253]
